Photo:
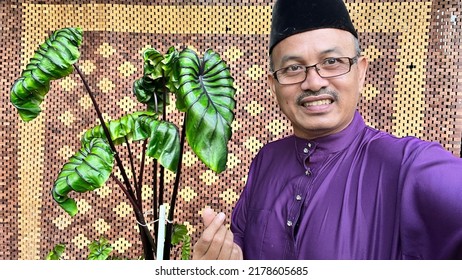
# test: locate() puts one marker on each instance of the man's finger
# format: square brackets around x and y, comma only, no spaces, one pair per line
[236,253]
[207,216]
[209,237]
[227,246]
[216,244]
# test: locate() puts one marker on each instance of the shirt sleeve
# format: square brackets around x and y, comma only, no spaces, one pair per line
[432,204]
[239,215]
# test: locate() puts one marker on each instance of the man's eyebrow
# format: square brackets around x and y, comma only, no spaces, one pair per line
[286,58]
[289,58]
[328,51]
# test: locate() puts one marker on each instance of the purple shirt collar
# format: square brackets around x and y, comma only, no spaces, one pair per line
[331,143]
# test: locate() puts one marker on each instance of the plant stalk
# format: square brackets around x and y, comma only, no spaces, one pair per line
[135,180]
[140,182]
[162,169]
[146,238]
[154,198]
[171,211]
[160,197]
[106,130]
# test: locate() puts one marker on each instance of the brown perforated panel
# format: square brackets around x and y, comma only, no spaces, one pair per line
[413,88]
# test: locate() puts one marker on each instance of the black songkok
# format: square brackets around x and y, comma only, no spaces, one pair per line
[295,16]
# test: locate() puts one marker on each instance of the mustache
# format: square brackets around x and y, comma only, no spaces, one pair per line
[310,93]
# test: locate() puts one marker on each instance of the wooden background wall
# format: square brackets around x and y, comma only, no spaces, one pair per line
[413,88]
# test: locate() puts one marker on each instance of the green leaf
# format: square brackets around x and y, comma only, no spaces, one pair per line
[186,248]
[56,253]
[171,69]
[160,77]
[151,93]
[164,143]
[153,64]
[87,170]
[180,234]
[52,60]
[206,94]
[118,129]
[99,249]
[164,140]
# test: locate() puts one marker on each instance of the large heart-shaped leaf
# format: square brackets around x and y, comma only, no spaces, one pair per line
[87,170]
[164,140]
[206,94]
[53,60]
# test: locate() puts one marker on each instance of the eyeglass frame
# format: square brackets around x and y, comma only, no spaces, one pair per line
[351,60]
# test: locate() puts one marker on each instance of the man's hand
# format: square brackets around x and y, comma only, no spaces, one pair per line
[216,242]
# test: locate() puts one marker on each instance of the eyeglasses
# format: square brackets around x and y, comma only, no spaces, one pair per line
[328,68]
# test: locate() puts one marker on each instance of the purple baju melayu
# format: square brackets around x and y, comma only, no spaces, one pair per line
[358,194]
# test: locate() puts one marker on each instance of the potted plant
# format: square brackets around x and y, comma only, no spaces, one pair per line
[204,93]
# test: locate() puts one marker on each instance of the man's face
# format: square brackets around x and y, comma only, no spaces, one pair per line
[318,106]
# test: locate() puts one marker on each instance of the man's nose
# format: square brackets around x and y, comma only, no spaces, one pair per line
[313,81]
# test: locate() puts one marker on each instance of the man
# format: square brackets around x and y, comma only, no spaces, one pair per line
[336,189]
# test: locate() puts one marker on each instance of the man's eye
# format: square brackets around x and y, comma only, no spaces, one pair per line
[331,61]
[294,68]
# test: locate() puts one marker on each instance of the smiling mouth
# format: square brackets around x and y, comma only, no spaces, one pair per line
[317,103]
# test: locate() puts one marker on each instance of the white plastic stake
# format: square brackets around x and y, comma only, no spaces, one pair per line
[161,234]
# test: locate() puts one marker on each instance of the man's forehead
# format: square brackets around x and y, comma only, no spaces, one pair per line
[320,41]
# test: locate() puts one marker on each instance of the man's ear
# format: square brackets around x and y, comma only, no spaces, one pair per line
[272,84]
[362,69]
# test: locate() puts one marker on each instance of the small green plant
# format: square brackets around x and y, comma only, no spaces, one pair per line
[57,252]
[204,93]
[180,235]
[98,250]
[101,249]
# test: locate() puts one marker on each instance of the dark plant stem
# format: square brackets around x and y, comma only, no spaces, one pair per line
[139,193]
[130,197]
[135,180]
[143,157]
[161,184]
[146,238]
[160,194]
[148,247]
[154,197]
[154,190]
[161,168]
[106,130]
[161,187]
[142,226]
[164,104]
[171,211]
